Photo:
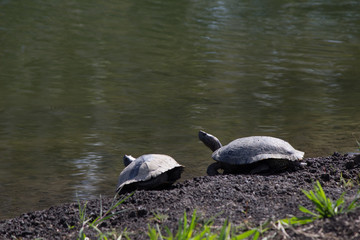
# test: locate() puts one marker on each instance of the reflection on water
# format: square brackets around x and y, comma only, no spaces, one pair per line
[82,84]
[87,171]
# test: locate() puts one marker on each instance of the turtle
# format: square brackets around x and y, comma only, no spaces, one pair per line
[149,171]
[254,154]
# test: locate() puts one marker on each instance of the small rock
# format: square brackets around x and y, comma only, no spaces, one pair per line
[132,214]
[325,177]
[350,165]
[103,224]
[237,188]
[336,154]
[357,159]
[142,212]
[240,200]
[309,180]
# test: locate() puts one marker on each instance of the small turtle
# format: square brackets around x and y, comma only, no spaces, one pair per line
[250,154]
[150,171]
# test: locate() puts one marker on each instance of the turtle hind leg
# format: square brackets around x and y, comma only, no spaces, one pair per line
[269,166]
[174,174]
[213,168]
[260,168]
[126,189]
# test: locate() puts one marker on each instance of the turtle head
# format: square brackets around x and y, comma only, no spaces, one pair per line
[128,159]
[209,140]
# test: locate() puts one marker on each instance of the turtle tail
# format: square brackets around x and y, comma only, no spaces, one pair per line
[128,159]
[209,140]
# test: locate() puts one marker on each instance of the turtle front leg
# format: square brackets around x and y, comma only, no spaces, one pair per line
[213,168]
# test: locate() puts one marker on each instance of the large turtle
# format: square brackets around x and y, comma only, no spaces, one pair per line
[150,171]
[250,154]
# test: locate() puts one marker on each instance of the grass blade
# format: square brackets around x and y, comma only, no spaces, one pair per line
[104,217]
[296,220]
[246,234]
[225,231]
[192,225]
[305,210]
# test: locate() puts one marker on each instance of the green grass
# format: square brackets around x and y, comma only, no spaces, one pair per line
[324,206]
[94,224]
[348,184]
[195,229]
[159,217]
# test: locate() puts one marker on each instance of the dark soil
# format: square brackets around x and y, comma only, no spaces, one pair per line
[245,200]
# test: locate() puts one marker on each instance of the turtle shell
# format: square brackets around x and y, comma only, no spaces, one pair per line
[248,150]
[147,168]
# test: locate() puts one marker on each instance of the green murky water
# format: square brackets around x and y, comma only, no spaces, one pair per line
[84,82]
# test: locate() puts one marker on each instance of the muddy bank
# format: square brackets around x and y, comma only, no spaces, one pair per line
[246,200]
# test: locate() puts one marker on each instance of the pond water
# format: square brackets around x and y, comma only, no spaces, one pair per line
[84,82]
